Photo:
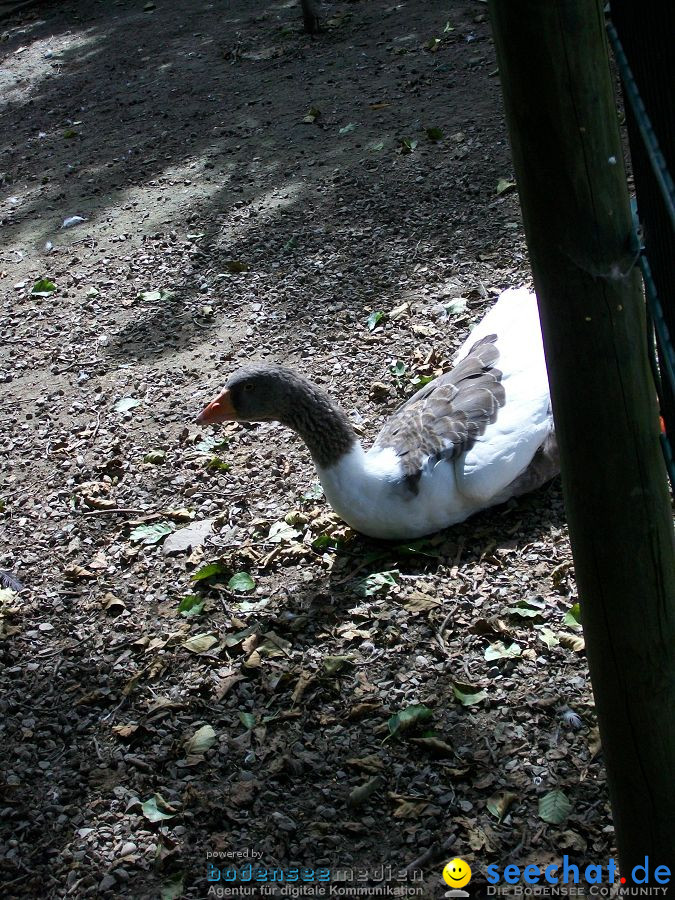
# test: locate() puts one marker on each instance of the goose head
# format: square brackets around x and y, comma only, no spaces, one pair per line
[257,393]
[271,393]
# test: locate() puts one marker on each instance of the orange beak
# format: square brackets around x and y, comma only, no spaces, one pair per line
[219,410]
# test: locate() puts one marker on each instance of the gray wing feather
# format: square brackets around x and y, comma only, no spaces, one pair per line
[448,415]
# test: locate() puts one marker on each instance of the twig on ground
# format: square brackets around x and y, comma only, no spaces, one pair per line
[121,511]
[439,633]
[97,426]
[429,854]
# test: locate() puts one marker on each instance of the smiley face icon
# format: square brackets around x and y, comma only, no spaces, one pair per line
[457,873]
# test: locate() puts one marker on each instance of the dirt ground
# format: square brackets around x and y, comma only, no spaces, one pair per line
[247,192]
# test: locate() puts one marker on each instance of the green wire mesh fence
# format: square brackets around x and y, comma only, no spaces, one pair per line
[641,35]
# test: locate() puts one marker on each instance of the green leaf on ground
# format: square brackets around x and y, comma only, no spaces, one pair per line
[547,636]
[233,640]
[202,740]
[281,531]
[156,809]
[554,807]
[192,605]
[375,583]
[524,610]
[504,186]
[406,145]
[455,307]
[173,888]
[43,288]
[419,381]
[326,542]
[347,128]
[209,571]
[151,534]
[573,617]
[435,134]
[150,296]
[216,464]
[499,650]
[247,719]
[335,664]
[126,403]
[409,718]
[156,457]
[315,492]
[211,444]
[241,582]
[312,115]
[468,695]
[374,319]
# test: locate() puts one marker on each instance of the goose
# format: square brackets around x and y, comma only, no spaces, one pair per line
[471,439]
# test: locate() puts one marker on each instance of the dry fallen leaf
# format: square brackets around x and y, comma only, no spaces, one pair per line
[75,572]
[500,803]
[200,643]
[112,604]
[188,538]
[410,809]
[126,732]
[419,602]
[360,794]
[301,686]
[225,685]
[365,708]
[594,742]
[434,745]
[369,763]
[201,741]
[574,642]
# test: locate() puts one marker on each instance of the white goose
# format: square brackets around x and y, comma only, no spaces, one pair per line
[473,438]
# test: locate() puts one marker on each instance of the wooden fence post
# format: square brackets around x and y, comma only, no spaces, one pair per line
[561,112]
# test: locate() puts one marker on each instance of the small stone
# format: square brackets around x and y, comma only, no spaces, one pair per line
[379,391]
[284,822]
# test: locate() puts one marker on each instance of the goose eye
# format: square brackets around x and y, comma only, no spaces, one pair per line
[249,386]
